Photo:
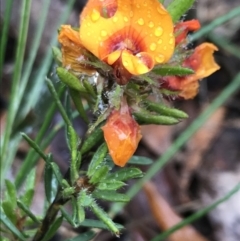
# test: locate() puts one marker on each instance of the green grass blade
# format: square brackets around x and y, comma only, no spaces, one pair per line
[196,215]
[34,48]
[225,44]
[4,32]
[39,78]
[25,15]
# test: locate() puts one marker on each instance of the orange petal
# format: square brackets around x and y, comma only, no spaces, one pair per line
[203,54]
[122,135]
[136,26]
[73,53]
[202,62]
[182,29]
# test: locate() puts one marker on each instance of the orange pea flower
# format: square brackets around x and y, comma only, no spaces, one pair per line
[181,29]
[73,53]
[122,135]
[132,36]
[202,62]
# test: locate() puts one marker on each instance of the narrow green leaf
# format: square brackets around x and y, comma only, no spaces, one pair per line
[111,196]
[70,80]
[99,174]
[22,206]
[11,193]
[84,198]
[177,8]
[80,211]
[74,141]
[164,110]
[109,185]
[29,187]
[57,55]
[49,183]
[104,217]
[68,217]
[93,139]
[58,102]
[97,159]
[7,222]
[125,174]
[90,89]
[53,229]
[140,160]
[91,223]
[168,70]
[34,145]
[57,172]
[146,118]
[9,211]
[76,97]
[87,236]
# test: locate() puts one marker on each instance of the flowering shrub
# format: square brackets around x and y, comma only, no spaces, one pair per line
[134,49]
[125,62]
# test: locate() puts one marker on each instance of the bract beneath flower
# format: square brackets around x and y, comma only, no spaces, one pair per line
[122,135]
[202,62]
[181,29]
[73,53]
[138,33]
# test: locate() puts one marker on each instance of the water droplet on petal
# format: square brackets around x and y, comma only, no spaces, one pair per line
[115,19]
[95,15]
[151,24]
[125,19]
[153,46]
[159,41]
[88,33]
[158,31]
[160,58]
[171,41]
[165,48]
[140,21]
[103,33]
[138,6]
[125,63]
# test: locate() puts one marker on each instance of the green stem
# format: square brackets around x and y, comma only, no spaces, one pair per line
[25,14]
[196,215]
[215,23]
[58,102]
[30,161]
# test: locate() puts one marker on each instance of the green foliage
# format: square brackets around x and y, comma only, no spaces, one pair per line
[178,8]
[164,70]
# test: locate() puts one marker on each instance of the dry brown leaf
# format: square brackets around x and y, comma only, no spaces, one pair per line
[198,144]
[157,138]
[166,217]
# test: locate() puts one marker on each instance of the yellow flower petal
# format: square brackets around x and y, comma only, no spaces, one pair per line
[135,26]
